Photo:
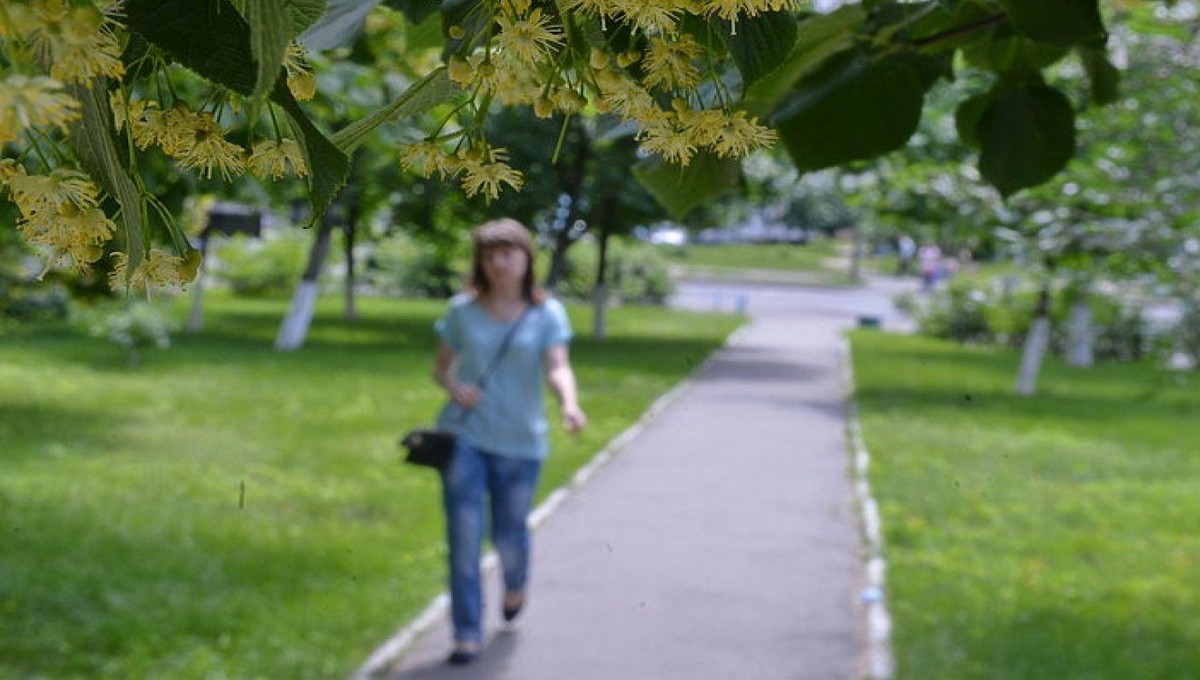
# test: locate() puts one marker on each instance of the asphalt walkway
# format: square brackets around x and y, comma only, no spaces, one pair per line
[720,542]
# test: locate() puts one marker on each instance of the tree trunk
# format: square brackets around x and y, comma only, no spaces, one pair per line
[600,293]
[196,316]
[350,231]
[1080,335]
[1036,344]
[294,328]
[573,188]
[856,254]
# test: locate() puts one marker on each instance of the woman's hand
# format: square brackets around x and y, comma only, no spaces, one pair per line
[573,419]
[466,396]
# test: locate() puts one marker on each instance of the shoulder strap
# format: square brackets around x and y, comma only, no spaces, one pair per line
[504,344]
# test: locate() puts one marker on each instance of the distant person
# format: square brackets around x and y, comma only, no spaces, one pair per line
[906,251]
[930,260]
[501,426]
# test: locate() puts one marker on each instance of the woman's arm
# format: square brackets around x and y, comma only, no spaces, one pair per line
[561,379]
[466,396]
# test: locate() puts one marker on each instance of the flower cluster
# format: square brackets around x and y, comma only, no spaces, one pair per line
[52,46]
[665,83]
[656,64]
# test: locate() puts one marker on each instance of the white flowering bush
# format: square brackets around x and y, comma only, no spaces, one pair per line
[136,326]
[87,87]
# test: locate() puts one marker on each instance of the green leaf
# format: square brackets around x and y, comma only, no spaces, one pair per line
[340,24]
[93,137]
[1059,22]
[1026,135]
[1104,77]
[852,109]
[304,13]
[435,88]
[415,11]
[818,38]
[762,43]
[679,189]
[270,23]
[1006,51]
[327,164]
[207,36]
[966,118]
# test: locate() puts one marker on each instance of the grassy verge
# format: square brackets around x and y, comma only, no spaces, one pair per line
[228,511]
[1033,538]
[809,263]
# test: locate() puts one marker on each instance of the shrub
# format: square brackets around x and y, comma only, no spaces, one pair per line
[637,273]
[1001,312]
[136,326]
[261,267]
[401,265]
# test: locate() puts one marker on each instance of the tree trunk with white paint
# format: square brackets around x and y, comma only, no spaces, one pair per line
[1036,344]
[294,328]
[1081,335]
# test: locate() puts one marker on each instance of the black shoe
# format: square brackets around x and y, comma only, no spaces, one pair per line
[513,602]
[463,653]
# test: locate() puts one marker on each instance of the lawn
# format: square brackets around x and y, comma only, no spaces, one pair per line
[229,511]
[1054,537]
[812,261]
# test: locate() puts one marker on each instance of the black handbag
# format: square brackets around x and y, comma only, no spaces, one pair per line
[431,447]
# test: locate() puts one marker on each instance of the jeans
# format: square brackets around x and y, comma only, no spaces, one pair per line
[510,484]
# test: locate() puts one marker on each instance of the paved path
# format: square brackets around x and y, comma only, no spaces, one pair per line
[721,542]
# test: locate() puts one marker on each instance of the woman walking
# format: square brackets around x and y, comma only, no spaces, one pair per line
[498,344]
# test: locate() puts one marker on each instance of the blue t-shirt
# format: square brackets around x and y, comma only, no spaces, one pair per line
[510,420]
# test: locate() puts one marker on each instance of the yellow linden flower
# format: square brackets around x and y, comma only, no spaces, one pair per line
[426,158]
[33,102]
[703,127]
[163,268]
[49,194]
[10,168]
[158,269]
[277,158]
[625,97]
[527,40]
[75,236]
[487,173]
[199,143]
[669,141]
[592,7]
[740,136]
[655,17]
[142,116]
[300,78]
[479,70]
[77,40]
[730,10]
[668,63]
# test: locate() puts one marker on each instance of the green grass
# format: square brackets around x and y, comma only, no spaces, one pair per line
[228,511]
[1054,537]
[811,260]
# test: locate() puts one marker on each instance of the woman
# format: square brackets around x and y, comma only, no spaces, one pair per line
[512,337]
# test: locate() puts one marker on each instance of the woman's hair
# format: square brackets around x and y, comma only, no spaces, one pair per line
[504,232]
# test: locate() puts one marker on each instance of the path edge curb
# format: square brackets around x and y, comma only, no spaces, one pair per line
[394,648]
[880,661]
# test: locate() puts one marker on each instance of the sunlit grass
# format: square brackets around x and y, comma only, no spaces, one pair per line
[229,511]
[1034,538]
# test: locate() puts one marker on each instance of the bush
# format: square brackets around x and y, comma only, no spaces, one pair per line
[958,312]
[1001,312]
[400,265]
[136,326]
[262,267]
[637,273]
